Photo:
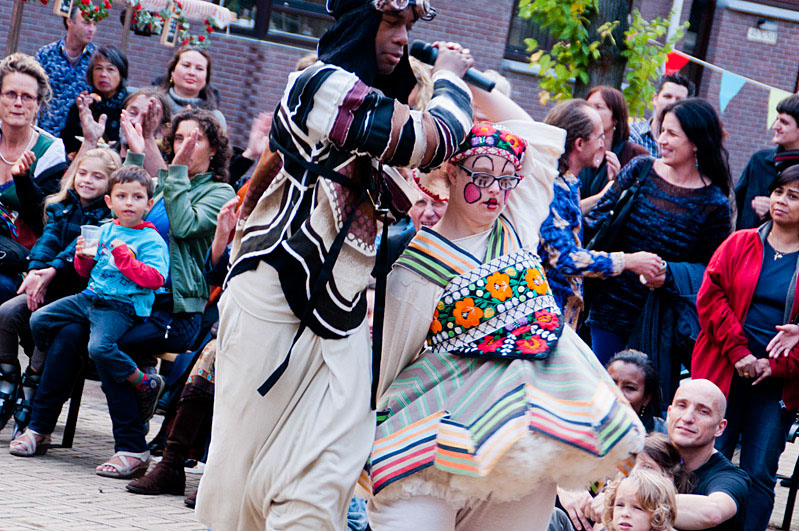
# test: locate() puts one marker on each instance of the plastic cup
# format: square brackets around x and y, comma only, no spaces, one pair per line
[91,238]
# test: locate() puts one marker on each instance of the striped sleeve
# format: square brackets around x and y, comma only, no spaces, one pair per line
[359,120]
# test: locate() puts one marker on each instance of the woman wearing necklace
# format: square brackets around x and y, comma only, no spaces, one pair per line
[188,82]
[681,212]
[24,87]
[748,290]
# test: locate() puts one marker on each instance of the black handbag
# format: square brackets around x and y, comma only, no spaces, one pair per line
[607,234]
[13,256]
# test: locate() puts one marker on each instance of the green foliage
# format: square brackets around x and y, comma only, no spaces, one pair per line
[568,60]
[644,60]
[570,54]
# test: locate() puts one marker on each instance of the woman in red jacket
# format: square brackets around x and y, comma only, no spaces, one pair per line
[748,290]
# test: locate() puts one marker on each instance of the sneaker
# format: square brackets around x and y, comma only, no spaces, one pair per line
[147,400]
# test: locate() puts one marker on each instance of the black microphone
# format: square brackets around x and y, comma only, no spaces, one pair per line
[427,53]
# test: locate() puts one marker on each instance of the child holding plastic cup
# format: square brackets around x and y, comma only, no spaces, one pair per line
[91,238]
[131,262]
[51,276]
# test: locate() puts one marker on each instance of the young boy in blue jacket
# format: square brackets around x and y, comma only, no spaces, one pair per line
[130,263]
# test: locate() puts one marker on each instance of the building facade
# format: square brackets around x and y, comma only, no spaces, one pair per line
[251,61]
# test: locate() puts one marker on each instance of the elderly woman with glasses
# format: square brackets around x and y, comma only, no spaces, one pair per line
[31,160]
[482,383]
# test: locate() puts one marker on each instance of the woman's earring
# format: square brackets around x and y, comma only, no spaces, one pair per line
[696,160]
[172,80]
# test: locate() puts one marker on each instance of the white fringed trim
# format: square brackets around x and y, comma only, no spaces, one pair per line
[534,459]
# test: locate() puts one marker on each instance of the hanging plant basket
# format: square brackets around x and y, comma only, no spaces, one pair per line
[171,22]
[144,23]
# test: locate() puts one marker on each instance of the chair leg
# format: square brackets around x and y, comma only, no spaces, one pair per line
[72,415]
[789,503]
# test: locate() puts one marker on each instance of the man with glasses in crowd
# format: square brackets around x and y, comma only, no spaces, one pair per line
[561,249]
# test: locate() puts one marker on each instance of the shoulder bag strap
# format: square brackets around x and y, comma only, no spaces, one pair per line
[610,228]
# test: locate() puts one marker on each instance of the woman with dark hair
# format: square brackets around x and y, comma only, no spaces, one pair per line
[107,77]
[679,211]
[215,161]
[188,82]
[186,202]
[748,291]
[636,376]
[612,108]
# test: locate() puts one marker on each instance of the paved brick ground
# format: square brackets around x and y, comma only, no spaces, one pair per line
[61,492]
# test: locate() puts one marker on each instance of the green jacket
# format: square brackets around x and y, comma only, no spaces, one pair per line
[192,206]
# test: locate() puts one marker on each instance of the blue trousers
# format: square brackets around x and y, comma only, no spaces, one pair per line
[108,321]
[606,344]
[756,417]
[8,286]
[63,362]
[61,369]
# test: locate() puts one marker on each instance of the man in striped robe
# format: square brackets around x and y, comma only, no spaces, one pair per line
[289,459]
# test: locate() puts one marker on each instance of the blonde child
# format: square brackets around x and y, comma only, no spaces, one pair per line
[642,501]
[50,276]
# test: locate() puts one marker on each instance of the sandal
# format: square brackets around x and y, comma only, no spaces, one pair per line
[9,380]
[30,444]
[24,404]
[129,469]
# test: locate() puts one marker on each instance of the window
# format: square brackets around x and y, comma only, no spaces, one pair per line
[294,21]
[697,38]
[784,4]
[521,29]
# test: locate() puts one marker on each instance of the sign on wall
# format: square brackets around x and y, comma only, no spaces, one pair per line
[761,36]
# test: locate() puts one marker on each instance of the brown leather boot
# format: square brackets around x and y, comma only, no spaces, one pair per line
[163,479]
[168,476]
[191,499]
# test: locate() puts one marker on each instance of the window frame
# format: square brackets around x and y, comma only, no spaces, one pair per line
[792,5]
[512,52]
[265,9]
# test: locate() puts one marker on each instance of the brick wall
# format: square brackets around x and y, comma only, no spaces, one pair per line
[745,116]
[251,74]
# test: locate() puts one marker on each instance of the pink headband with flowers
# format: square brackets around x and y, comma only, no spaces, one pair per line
[487,139]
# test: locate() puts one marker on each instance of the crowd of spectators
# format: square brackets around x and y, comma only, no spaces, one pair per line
[683,284]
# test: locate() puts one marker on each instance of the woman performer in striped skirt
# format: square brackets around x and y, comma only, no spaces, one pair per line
[507,401]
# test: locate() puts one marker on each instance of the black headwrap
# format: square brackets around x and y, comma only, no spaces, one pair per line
[350,44]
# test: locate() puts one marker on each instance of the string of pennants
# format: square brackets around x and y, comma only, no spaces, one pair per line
[731,83]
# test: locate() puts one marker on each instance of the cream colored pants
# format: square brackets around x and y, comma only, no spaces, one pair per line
[417,513]
[290,459]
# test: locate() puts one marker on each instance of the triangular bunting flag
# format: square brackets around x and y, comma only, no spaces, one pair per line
[775,96]
[674,62]
[731,84]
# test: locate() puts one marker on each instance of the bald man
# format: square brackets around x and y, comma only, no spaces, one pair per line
[695,418]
